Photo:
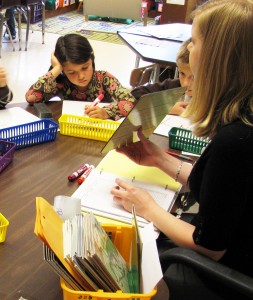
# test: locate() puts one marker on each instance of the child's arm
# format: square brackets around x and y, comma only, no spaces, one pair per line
[46,86]
[5,93]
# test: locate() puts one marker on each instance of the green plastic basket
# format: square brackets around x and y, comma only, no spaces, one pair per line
[183,139]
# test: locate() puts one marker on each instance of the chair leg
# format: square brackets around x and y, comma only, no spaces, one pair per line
[19,31]
[1,32]
[27,25]
[43,21]
[9,33]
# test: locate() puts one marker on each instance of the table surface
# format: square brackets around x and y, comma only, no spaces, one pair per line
[151,49]
[40,170]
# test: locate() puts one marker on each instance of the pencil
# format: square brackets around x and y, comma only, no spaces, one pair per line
[179,155]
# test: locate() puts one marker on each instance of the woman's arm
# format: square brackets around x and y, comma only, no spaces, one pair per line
[179,231]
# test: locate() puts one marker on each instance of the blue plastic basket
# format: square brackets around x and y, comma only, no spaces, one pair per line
[6,154]
[30,134]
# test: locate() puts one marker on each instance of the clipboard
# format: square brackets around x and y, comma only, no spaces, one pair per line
[148,112]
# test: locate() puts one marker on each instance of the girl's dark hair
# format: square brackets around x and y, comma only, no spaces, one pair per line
[74,48]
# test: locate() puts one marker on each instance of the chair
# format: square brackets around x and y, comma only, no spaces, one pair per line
[26,9]
[142,75]
[4,4]
[235,281]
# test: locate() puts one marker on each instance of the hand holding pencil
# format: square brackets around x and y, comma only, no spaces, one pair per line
[94,111]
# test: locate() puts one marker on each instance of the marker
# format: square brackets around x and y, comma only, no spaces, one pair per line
[78,173]
[82,178]
[179,155]
[97,100]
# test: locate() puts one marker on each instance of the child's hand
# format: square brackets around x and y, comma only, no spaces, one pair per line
[96,112]
[3,77]
[55,62]
[178,108]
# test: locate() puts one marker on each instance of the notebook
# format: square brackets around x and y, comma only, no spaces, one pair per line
[148,112]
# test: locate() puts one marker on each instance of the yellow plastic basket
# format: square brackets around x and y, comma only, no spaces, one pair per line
[90,128]
[121,237]
[3,228]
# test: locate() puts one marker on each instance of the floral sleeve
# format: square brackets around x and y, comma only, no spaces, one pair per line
[123,101]
[44,89]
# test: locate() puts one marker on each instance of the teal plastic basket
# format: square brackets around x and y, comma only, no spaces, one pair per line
[31,133]
[184,140]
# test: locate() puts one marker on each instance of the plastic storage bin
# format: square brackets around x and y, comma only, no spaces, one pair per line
[90,128]
[121,237]
[183,139]
[3,228]
[6,154]
[31,133]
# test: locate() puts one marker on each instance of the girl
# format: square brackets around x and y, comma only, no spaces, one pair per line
[221,59]
[72,76]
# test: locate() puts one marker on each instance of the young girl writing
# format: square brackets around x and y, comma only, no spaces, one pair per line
[72,76]
[221,58]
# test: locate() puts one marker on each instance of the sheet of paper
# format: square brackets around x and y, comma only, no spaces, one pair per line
[76,108]
[178,2]
[148,265]
[15,116]
[172,121]
[175,31]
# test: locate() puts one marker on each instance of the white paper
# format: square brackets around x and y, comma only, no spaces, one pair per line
[15,116]
[175,31]
[178,2]
[172,121]
[150,263]
[76,108]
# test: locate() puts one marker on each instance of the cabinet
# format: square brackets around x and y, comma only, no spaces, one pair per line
[173,13]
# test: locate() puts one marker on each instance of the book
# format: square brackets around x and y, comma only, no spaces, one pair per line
[162,187]
[147,113]
[170,121]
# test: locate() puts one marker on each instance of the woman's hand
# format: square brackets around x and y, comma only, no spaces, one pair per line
[96,112]
[126,195]
[143,152]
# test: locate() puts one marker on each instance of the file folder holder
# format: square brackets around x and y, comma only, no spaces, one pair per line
[121,237]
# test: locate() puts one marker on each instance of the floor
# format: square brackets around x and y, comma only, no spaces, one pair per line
[24,67]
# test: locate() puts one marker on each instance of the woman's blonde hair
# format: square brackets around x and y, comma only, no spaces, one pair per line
[223,85]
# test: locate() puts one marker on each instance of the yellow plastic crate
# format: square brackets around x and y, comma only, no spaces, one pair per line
[3,228]
[121,236]
[90,128]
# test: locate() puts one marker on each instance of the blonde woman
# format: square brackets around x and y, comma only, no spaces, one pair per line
[221,59]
